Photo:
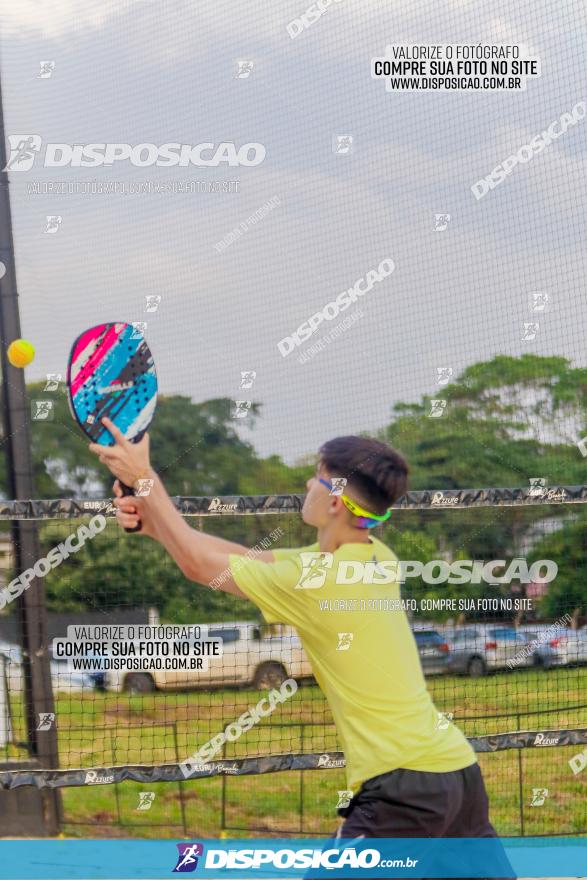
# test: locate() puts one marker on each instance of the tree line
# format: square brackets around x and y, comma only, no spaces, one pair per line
[503,423]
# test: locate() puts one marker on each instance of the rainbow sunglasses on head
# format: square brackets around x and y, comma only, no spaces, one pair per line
[365,520]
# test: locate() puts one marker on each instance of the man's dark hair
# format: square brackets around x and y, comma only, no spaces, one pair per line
[377,473]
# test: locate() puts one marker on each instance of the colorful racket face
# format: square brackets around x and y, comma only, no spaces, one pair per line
[111,373]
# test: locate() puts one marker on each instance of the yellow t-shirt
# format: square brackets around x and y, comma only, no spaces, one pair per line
[375,687]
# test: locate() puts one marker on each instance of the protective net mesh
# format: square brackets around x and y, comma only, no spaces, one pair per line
[469,357]
[512,676]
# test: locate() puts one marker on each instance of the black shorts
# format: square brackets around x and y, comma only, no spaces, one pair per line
[410,803]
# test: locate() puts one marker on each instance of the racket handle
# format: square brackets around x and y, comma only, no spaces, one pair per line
[128,490]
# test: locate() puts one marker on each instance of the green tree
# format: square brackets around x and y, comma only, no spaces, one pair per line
[567,546]
[195,448]
[507,420]
[118,571]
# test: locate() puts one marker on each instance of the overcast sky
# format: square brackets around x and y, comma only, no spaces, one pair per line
[159,72]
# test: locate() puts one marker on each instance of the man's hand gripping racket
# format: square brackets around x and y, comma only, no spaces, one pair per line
[112,390]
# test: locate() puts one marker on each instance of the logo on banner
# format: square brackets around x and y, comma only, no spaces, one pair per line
[187,860]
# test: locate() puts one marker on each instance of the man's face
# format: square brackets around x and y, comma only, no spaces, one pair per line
[318,500]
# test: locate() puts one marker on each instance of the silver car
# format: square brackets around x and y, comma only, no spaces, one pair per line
[476,649]
[568,645]
[433,650]
[571,647]
[544,652]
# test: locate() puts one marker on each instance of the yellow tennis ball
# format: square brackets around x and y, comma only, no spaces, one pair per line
[20,353]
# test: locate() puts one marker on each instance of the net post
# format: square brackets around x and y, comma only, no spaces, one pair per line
[31,607]
[116,791]
[302,728]
[180,784]
[223,793]
[520,783]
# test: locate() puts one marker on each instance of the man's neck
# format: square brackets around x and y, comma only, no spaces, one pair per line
[330,540]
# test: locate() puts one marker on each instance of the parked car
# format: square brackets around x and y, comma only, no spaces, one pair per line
[477,649]
[433,651]
[568,645]
[544,654]
[12,667]
[573,647]
[248,659]
[64,679]
[97,677]
[61,678]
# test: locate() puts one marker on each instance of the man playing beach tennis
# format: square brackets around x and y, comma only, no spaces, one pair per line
[411,771]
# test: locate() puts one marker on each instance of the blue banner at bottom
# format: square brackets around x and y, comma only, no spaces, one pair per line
[535,857]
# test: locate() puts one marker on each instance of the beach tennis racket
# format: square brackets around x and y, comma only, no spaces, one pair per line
[111,373]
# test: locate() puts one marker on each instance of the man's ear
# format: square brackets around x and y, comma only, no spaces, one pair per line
[335,504]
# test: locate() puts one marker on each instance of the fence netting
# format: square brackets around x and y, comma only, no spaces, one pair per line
[494,587]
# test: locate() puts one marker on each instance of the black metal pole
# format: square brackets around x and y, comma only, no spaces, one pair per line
[31,606]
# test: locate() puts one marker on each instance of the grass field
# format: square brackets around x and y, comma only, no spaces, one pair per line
[99,729]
